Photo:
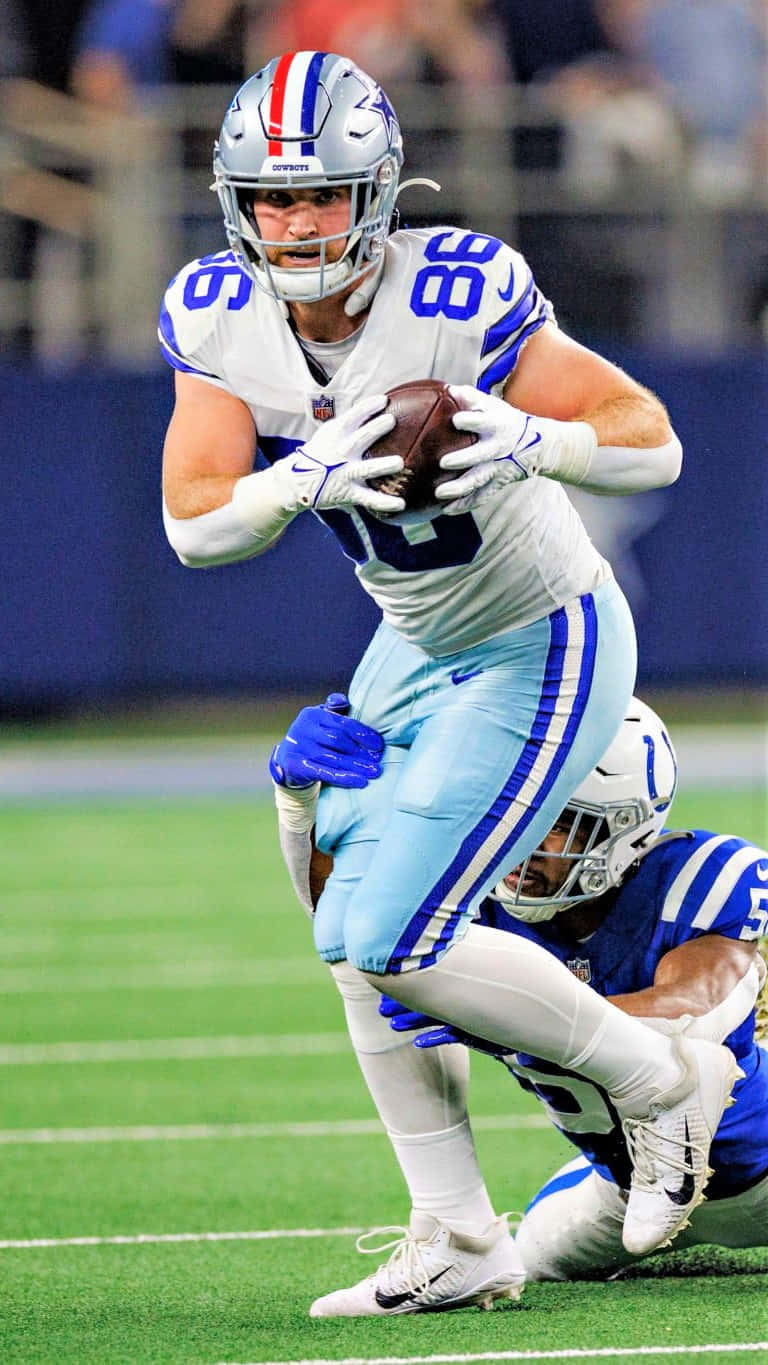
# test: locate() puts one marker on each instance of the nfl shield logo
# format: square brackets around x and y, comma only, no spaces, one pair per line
[580,966]
[323,408]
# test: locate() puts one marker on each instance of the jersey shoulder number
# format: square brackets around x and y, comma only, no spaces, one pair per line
[202,294]
[716,883]
[469,277]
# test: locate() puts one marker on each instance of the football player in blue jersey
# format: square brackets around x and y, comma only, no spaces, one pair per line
[666,925]
[663,923]
[500,619]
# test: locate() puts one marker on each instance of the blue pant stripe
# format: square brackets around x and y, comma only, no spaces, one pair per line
[584,687]
[550,690]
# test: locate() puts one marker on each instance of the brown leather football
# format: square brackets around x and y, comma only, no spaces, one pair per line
[423,431]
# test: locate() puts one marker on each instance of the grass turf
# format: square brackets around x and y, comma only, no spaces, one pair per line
[134,922]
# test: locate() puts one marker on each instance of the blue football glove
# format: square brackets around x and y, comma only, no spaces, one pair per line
[324,744]
[405,1020]
[401,1018]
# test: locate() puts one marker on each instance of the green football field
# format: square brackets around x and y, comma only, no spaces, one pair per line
[188,1149]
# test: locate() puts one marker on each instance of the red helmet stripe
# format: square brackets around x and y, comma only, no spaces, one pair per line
[276,105]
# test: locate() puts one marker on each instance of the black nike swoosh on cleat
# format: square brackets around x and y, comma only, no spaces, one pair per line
[397,1300]
[686,1192]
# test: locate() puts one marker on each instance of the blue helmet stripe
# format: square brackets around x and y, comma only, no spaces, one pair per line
[309,100]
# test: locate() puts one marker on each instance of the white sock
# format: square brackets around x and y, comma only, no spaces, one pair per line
[505,988]
[421,1098]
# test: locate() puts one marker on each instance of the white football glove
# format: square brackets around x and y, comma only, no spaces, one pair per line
[329,469]
[511,445]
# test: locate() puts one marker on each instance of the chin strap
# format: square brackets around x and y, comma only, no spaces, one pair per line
[361,298]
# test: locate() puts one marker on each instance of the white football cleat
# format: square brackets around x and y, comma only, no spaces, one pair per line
[669,1146]
[431,1269]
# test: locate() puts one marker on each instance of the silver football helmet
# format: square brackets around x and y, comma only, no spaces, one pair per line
[614,816]
[309,120]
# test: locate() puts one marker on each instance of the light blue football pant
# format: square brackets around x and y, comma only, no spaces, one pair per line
[492,742]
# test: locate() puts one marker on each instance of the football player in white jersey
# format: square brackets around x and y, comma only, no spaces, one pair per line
[500,618]
[666,924]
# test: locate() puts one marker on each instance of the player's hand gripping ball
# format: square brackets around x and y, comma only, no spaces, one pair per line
[423,431]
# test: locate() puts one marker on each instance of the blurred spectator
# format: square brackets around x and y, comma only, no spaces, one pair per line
[446,40]
[711,57]
[37,40]
[606,106]
[543,37]
[127,47]
[48,35]
[15,56]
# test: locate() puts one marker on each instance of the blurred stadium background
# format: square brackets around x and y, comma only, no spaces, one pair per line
[621,144]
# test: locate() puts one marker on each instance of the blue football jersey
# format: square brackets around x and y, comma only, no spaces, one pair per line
[691,883]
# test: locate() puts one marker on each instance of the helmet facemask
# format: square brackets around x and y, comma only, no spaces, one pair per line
[371,205]
[336,130]
[586,866]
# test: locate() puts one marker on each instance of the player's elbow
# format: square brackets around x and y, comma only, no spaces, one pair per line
[191,561]
[670,462]
[189,547]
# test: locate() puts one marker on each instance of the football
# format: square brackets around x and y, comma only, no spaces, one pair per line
[423,431]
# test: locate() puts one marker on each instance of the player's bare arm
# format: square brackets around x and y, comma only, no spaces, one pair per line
[558,377]
[209,445]
[566,414]
[692,979]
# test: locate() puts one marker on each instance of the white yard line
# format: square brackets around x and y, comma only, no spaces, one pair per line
[197,1132]
[279,971]
[570,1353]
[170,1049]
[150,1238]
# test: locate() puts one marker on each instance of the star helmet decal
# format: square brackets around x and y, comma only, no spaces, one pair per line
[375,102]
[382,106]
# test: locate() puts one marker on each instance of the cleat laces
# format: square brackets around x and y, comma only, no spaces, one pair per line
[405,1268]
[649,1150]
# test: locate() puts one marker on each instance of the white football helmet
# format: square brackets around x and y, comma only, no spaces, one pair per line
[309,120]
[614,816]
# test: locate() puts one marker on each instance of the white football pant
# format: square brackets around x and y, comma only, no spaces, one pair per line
[573,1227]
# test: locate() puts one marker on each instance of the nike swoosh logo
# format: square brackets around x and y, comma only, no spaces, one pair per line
[530,445]
[458,677]
[506,294]
[761,872]
[685,1194]
[397,1300]
[302,469]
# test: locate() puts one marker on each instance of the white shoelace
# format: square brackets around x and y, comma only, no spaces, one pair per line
[648,1149]
[405,1262]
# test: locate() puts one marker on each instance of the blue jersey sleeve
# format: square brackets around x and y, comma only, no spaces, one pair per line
[516,309]
[717,884]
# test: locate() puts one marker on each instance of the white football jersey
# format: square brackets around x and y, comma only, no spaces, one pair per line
[452,305]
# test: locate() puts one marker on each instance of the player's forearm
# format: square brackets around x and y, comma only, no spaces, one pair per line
[663,1002]
[233,519]
[710,1009]
[625,445]
[296,808]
